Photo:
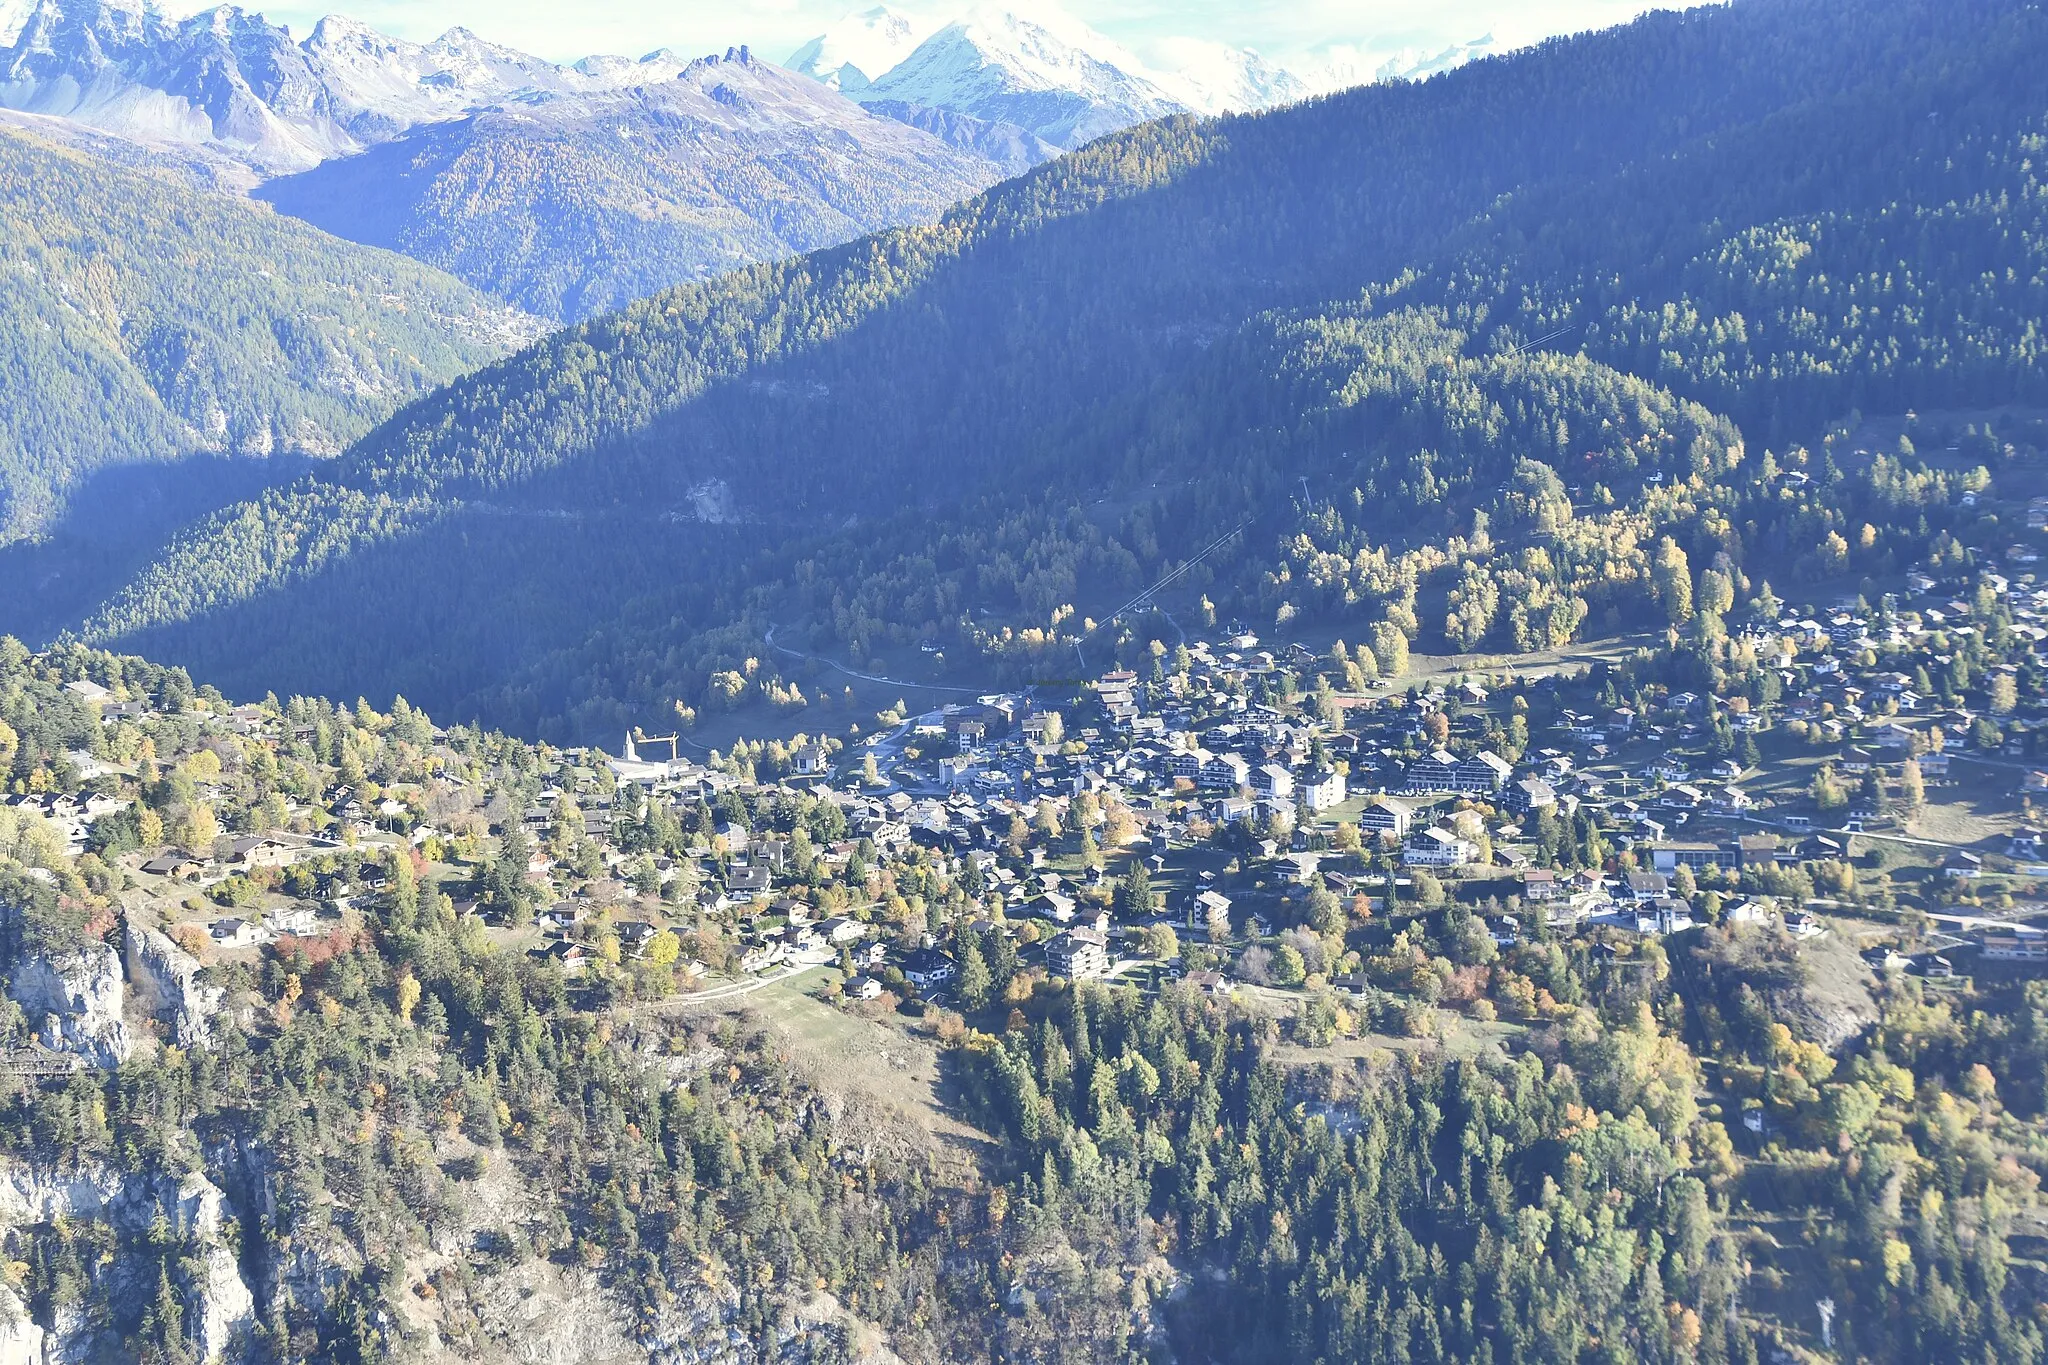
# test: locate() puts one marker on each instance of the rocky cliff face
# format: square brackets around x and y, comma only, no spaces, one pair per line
[219,1308]
[539,1314]
[164,980]
[76,1002]
[530,1310]
[21,1341]
[221,1220]
[82,1000]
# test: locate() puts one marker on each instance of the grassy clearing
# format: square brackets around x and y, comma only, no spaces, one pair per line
[843,1053]
[1457,1036]
[1976,804]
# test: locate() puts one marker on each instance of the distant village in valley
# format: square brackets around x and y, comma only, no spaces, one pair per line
[1236,815]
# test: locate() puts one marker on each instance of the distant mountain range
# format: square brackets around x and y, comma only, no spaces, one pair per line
[566,189]
[235,83]
[242,88]
[573,189]
[574,206]
[1044,72]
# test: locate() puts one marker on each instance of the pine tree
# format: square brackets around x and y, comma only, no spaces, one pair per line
[1134,893]
[975,982]
[163,1322]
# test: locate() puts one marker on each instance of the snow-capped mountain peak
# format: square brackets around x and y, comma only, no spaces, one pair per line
[1050,48]
[1345,67]
[858,49]
[620,73]
[1040,70]
[1415,66]
[380,86]
[1215,78]
[1048,73]
[14,17]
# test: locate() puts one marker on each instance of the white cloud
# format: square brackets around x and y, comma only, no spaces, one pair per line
[1369,30]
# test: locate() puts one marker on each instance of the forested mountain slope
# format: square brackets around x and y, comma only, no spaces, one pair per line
[147,320]
[1726,227]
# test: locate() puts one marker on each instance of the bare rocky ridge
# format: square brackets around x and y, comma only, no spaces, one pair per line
[1819,989]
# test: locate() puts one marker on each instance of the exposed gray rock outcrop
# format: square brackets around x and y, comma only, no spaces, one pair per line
[21,1341]
[220,1310]
[223,1311]
[164,979]
[75,1000]
[28,1195]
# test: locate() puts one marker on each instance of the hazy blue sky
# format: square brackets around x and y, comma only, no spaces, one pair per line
[1283,29]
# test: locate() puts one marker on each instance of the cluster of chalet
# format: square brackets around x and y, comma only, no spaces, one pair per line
[1875,689]
[1195,743]
[964,777]
[70,813]
[395,817]
[960,813]
[1425,775]
[1878,680]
